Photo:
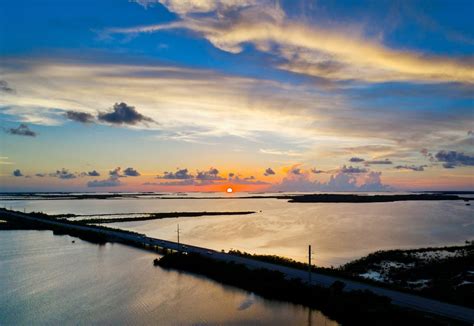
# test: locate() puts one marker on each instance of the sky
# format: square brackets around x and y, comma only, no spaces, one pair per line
[257,95]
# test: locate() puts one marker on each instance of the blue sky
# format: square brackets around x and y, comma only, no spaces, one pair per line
[238,85]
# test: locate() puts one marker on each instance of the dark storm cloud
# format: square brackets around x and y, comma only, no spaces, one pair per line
[123,113]
[63,174]
[356,160]
[21,130]
[17,173]
[5,88]
[82,117]
[268,172]
[131,172]
[417,168]
[453,159]
[353,169]
[211,175]
[374,162]
[180,174]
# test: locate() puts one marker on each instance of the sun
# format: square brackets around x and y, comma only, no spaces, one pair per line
[229,190]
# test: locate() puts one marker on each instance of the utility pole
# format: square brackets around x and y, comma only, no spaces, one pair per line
[309,264]
[177,231]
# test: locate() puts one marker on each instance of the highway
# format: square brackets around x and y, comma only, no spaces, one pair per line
[399,298]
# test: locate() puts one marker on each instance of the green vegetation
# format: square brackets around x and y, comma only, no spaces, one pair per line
[346,307]
[445,273]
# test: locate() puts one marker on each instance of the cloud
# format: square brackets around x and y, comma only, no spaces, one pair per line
[115,173]
[247,180]
[316,171]
[453,159]
[427,154]
[210,175]
[22,130]
[269,172]
[180,174]
[356,160]
[93,173]
[352,169]
[417,168]
[184,182]
[377,162]
[110,182]
[122,113]
[342,180]
[63,174]
[82,117]
[337,54]
[296,171]
[40,175]
[5,88]
[17,173]
[131,172]
[279,152]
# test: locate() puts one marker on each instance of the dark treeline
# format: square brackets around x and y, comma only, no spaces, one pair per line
[351,198]
[346,307]
[157,216]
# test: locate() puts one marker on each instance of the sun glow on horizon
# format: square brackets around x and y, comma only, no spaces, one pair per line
[229,190]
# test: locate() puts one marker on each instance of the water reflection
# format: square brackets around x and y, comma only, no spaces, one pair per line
[50,280]
[337,232]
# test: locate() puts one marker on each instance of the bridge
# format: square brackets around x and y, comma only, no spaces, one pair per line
[406,300]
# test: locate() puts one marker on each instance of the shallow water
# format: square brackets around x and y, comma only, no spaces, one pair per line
[338,232]
[47,279]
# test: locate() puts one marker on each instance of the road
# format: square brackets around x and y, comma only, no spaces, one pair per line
[399,298]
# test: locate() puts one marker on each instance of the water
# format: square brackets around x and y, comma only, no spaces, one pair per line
[47,279]
[337,232]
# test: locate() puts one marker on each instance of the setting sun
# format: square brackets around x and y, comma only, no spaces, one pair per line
[229,190]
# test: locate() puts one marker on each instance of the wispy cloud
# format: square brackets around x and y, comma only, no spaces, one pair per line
[335,54]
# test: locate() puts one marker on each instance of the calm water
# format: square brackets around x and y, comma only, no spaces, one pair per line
[47,279]
[337,232]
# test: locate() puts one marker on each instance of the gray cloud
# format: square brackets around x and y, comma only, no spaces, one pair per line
[268,172]
[123,113]
[115,173]
[131,172]
[5,88]
[180,174]
[356,160]
[211,175]
[110,182]
[418,168]
[40,175]
[453,159]
[93,173]
[296,171]
[376,162]
[63,174]
[17,173]
[353,169]
[21,130]
[316,171]
[82,117]
[247,181]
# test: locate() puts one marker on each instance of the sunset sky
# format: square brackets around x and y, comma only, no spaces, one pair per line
[200,95]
